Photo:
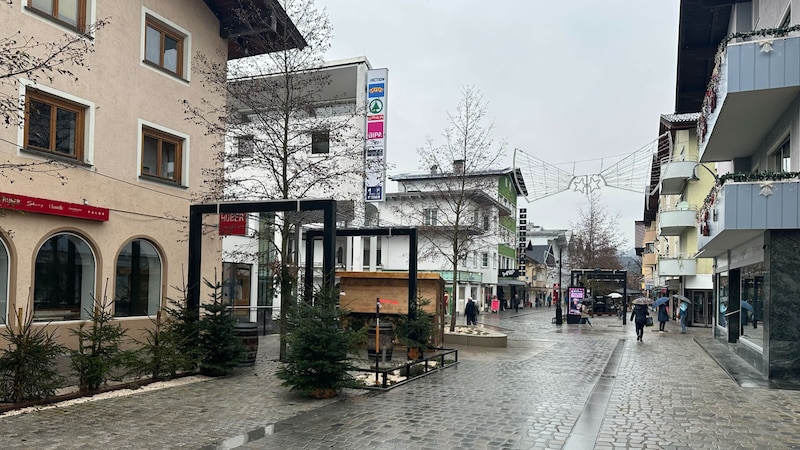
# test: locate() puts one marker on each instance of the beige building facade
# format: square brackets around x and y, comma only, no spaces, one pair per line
[110,162]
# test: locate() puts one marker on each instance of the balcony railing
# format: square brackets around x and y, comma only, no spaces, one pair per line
[675,220]
[753,83]
[739,211]
[675,173]
[675,266]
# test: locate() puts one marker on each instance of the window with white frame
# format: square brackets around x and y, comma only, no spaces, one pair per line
[429,217]
[162,155]
[70,13]
[485,259]
[164,46]
[54,125]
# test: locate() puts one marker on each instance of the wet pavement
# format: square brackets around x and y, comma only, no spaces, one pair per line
[568,386]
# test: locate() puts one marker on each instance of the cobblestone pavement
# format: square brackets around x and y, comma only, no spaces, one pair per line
[569,386]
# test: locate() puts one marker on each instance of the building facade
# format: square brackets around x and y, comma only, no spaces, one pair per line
[749,118]
[99,219]
[488,263]
[329,139]
[675,267]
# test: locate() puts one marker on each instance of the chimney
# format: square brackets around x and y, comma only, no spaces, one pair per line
[458,166]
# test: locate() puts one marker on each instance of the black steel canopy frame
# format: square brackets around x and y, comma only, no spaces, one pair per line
[311,235]
[196,213]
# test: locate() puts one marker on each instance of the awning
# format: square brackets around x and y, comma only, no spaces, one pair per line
[510,283]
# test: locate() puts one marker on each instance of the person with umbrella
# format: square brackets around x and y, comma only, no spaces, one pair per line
[663,313]
[639,315]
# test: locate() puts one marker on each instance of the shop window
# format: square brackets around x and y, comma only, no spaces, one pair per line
[138,283]
[64,279]
[4,276]
[54,125]
[163,46]
[162,155]
[71,13]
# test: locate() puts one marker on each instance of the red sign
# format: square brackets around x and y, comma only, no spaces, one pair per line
[52,207]
[233,224]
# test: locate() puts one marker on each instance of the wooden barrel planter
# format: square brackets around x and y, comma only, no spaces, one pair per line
[385,340]
[247,332]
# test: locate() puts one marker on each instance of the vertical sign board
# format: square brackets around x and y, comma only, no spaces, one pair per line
[375,154]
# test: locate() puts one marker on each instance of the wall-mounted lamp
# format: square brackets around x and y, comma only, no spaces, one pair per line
[694,176]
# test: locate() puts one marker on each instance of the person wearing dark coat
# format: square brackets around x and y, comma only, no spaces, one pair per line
[663,317]
[471,311]
[639,315]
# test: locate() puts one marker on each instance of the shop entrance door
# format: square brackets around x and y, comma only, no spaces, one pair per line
[701,308]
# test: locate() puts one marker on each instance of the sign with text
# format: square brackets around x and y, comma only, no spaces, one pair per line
[375,154]
[52,207]
[232,224]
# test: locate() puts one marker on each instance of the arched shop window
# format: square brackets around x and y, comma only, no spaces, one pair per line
[138,282]
[64,277]
[3,283]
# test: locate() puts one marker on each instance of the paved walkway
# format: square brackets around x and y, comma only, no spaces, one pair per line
[569,386]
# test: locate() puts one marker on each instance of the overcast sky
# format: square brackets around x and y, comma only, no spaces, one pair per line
[578,84]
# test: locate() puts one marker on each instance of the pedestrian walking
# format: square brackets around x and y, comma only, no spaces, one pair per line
[663,317]
[585,314]
[683,315]
[471,311]
[639,316]
[515,302]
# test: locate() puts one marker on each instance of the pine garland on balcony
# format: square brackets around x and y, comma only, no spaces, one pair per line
[710,98]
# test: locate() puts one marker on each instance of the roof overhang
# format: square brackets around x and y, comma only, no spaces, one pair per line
[701,27]
[268,28]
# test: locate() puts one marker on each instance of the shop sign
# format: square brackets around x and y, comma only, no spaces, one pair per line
[232,224]
[53,207]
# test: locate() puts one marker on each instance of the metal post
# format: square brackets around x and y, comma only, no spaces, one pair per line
[377,335]
[559,312]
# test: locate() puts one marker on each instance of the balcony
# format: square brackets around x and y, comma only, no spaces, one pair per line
[675,174]
[674,221]
[676,266]
[757,82]
[741,211]
[650,235]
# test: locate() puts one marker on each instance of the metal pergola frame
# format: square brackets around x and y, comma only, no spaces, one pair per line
[196,213]
[311,235]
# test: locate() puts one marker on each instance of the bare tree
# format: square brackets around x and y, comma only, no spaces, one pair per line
[450,216]
[596,240]
[288,133]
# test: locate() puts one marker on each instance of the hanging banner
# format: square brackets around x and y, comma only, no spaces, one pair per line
[375,152]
